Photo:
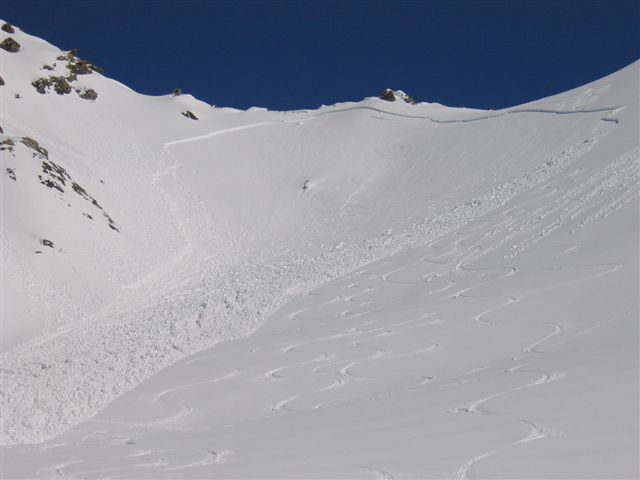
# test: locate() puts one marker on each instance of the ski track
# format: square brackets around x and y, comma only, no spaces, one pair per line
[523,228]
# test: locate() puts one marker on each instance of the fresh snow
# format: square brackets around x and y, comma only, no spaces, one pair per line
[367,290]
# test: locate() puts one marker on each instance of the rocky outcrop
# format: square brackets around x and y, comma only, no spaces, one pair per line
[56,177]
[10,45]
[176,92]
[391,96]
[7,27]
[7,145]
[87,93]
[388,95]
[190,115]
[34,145]
[60,85]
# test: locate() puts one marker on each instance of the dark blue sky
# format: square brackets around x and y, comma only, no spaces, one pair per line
[301,54]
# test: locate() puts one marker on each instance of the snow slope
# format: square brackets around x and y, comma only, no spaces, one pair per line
[430,292]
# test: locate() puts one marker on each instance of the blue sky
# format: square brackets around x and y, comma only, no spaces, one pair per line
[301,54]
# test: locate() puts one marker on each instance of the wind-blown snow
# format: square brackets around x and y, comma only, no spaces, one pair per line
[369,289]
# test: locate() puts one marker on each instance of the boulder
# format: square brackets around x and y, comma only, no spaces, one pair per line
[176,92]
[7,27]
[10,45]
[190,115]
[87,93]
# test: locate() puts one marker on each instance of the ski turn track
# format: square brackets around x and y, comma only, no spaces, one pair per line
[514,215]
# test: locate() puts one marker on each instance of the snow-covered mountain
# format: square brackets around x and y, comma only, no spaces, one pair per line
[430,291]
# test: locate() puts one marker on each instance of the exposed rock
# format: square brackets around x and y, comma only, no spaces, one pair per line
[41,85]
[34,145]
[409,99]
[80,67]
[391,96]
[1,81]
[10,45]
[12,174]
[176,92]
[190,115]
[7,27]
[54,176]
[388,95]
[47,67]
[46,243]
[110,222]
[87,93]
[8,145]
[60,85]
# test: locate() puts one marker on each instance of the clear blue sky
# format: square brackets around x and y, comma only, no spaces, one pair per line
[301,54]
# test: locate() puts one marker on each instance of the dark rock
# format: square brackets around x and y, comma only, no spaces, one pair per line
[7,27]
[12,174]
[87,93]
[46,243]
[55,171]
[41,85]
[7,144]
[388,95]
[80,67]
[190,115]
[34,145]
[55,176]
[409,99]
[1,81]
[176,92]
[50,184]
[10,45]
[47,67]
[61,86]
[81,191]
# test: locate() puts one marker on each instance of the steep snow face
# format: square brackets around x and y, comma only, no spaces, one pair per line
[139,230]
